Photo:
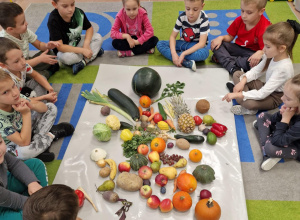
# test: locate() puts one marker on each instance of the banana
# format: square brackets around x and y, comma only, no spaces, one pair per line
[181,163]
[113,168]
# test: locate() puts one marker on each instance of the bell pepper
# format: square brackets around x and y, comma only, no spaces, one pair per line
[218,129]
[147,113]
[81,198]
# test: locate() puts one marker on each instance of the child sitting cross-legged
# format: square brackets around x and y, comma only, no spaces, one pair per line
[20,118]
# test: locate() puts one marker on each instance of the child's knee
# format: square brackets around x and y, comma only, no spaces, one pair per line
[52,108]
[97,37]
[69,58]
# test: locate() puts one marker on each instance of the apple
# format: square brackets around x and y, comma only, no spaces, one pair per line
[145,172]
[143,149]
[155,166]
[124,167]
[166,205]
[146,191]
[153,202]
[153,156]
[161,180]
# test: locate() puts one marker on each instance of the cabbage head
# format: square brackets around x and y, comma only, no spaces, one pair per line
[102,132]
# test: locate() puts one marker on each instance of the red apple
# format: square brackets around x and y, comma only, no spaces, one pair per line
[153,156]
[124,167]
[143,149]
[153,202]
[146,191]
[166,205]
[161,180]
[205,194]
[145,172]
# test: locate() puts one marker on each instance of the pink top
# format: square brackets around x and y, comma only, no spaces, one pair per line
[144,30]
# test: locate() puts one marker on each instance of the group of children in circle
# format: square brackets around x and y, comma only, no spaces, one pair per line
[27,130]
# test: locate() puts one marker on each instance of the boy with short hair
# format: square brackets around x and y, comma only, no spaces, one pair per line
[56,201]
[65,25]
[247,50]
[192,44]
[14,26]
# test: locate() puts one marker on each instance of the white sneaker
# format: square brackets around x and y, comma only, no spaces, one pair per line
[269,163]
[255,124]
[240,110]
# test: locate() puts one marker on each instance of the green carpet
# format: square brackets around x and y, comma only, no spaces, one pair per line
[52,168]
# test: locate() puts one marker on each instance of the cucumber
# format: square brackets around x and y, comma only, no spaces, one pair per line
[162,111]
[124,102]
[125,125]
[197,139]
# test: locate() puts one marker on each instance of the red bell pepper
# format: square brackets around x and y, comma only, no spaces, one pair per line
[81,198]
[218,129]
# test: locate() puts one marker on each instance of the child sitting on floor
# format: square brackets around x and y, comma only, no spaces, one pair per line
[13,62]
[192,45]
[66,23]
[136,36]
[251,93]
[21,117]
[247,50]
[56,201]
[280,133]
[18,180]
[14,26]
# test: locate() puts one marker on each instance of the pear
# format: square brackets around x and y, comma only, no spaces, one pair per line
[108,185]
[155,166]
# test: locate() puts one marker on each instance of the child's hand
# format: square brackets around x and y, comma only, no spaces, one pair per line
[136,42]
[51,97]
[287,114]
[175,59]
[181,58]
[33,187]
[228,97]
[130,41]
[45,58]
[255,59]
[22,107]
[52,44]
[238,87]
[88,53]
[216,43]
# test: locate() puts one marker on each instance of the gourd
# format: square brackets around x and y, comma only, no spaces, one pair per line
[186,182]
[97,154]
[124,102]
[182,201]
[207,209]
[146,81]
[137,161]
[204,174]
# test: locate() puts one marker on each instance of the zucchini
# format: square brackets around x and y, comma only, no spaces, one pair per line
[125,125]
[125,103]
[162,111]
[197,139]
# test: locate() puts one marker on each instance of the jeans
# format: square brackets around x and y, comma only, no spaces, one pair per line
[163,47]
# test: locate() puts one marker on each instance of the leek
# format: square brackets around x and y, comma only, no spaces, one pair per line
[95,97]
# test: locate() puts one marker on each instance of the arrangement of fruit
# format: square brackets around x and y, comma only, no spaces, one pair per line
[145,141]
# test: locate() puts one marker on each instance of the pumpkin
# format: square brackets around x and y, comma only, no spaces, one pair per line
[182,201]
[204,174]
[186,182]
[207,209]
[158,144]
[137,161]
[146,81]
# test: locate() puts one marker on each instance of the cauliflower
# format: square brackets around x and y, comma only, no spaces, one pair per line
[113,122]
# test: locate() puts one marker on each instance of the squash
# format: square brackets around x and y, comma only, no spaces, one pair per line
[137,161]
[146,81]
[182,201]
[186,182]
[207,209]
[125,103]
[204,174]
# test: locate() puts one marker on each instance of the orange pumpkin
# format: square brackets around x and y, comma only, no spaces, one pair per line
[158,144]
[195,155]
[182,201]
[186,182]
[145,101]
[207,209]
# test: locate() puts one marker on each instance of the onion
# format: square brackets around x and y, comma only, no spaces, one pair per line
[205,194]
[170,145]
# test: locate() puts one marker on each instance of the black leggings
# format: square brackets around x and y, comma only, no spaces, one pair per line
[122,44]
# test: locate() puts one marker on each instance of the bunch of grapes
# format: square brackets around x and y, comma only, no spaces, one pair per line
[169,159]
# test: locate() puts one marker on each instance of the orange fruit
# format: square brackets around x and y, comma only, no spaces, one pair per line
[145,101]
[158,144]
[195,155]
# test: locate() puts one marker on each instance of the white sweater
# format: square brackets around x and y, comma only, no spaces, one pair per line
[276,76]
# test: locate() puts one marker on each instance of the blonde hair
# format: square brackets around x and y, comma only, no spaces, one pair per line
[295,81]
[4,75]
[260,4]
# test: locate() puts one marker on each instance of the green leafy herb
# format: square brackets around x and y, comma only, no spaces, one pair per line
[174,89]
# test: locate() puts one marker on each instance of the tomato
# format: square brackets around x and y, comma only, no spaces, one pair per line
[147,113]
[157,118]
[197,120]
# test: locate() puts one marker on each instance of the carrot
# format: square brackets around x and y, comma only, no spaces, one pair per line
[175,181]
[151,116]
[151,110]
[170,123]
[140,110]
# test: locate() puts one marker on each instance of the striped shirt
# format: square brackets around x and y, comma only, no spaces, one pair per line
[192,31]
